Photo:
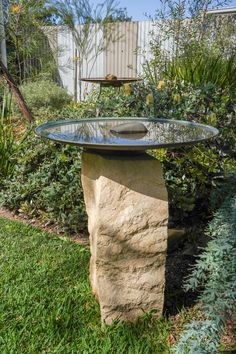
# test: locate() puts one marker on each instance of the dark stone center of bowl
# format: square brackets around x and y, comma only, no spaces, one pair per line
[129,128]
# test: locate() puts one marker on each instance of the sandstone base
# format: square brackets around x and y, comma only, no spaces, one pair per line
[126,202]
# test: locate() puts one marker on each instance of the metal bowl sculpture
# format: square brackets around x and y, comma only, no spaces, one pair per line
[116,82]
[110,81]
[126,134]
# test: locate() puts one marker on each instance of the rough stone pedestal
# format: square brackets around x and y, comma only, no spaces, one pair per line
[126,202]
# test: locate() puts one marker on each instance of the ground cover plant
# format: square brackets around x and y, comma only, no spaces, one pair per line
[214,272]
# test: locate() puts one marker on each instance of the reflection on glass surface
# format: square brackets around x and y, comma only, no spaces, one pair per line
[97,131]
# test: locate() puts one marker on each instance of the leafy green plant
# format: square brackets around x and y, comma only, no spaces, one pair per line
[205,104]
[111,104]
[191,172]
[44,95]
[215,273]
[46,184]
[190,175]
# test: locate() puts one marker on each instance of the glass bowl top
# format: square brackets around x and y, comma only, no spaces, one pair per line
[126,134]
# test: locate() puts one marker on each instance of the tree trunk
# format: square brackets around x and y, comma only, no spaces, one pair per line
[17,94]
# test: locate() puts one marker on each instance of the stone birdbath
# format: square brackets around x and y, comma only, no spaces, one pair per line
[127,205]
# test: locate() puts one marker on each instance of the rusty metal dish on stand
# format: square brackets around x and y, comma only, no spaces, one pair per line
[118,82]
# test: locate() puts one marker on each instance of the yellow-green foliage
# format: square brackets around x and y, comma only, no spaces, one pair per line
[44,95]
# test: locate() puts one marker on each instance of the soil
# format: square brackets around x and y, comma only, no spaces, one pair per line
[78,238]
[178,267]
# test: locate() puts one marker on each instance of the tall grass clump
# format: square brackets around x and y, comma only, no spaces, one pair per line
[204,68]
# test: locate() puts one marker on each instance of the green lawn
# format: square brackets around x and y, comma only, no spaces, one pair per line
[46,304]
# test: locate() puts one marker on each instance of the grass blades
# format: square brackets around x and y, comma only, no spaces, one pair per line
[47,305]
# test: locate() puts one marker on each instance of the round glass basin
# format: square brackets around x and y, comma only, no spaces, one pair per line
[109,134]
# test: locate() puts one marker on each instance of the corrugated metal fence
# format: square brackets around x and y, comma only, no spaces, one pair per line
[122,55]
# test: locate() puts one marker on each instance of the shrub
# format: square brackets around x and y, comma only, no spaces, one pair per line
[215,271]
[46,184]
[191,175]
[199,166]
[111,104]
[44,95]
[191,172]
